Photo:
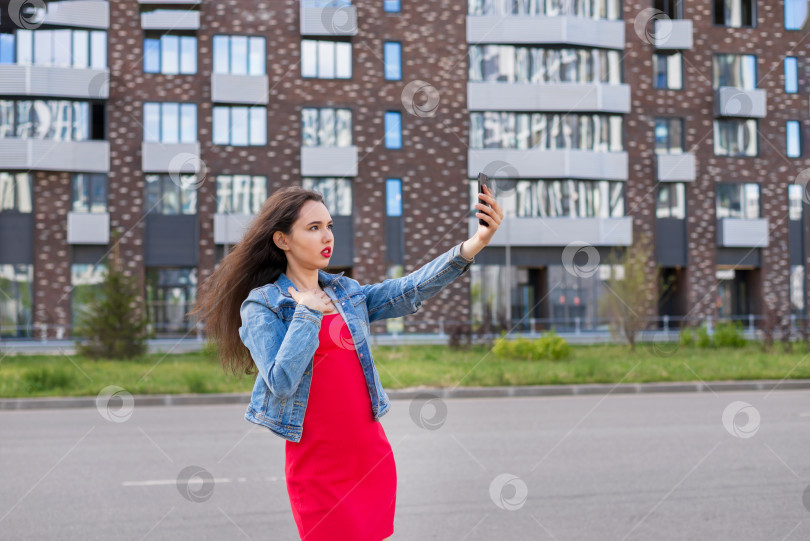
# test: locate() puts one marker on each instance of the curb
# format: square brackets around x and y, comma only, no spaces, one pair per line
[434,392]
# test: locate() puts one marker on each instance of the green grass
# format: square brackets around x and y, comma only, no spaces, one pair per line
[411,366]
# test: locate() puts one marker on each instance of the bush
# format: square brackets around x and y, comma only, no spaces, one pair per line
[48,378]
[687,337]
[549,346]
[703,340]
[728,334]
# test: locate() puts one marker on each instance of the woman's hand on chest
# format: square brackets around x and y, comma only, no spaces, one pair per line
[315,299]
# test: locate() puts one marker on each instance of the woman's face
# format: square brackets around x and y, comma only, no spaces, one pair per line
[311,233]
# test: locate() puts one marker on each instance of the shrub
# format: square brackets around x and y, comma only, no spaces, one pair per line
[687,337]
[48,378]
[703,340]
[728,334]
[549,346]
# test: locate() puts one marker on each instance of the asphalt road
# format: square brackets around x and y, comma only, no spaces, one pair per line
[614,467]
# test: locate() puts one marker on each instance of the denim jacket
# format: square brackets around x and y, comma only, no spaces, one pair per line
[282,335]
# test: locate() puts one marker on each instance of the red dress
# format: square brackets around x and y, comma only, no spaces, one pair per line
[341,476]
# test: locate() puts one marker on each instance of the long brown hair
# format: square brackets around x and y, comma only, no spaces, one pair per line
[253,262]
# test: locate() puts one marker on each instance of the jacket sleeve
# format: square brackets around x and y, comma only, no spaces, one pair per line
[281,356]
[397,297]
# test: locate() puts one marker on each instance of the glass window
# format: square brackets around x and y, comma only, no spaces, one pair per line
[795,14]
[326,126]
[597,132]
[16,300]
[794,139]
[6,48]
[393,197]
[239,55]
[170,295]
[668,71]
[85,283]
[151,55]
[188,54]
[16,192]
[62,49]
[170,54]
[671,201]
[393,60]
[737,200]
[221,54]
[256,56]
[795,201]
[58,120]
[98,49]
[671,8]
[89,193]
[326,59]
[737,70]
[797,294]
[735,13]
[170,122]
[393,129]
[391,6]
[337,193]
[669,135]
[791,75]
[735,137]
[240,126]
[171,193]
[240,194]
[25,47]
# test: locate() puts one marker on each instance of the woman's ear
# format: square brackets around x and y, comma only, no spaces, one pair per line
[279,240]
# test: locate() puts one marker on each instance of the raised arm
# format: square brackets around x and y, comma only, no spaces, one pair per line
[281,356]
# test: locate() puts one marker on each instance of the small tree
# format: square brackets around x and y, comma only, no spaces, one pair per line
[114,325]
[628,301]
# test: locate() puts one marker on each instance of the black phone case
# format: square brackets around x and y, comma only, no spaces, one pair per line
[483,178]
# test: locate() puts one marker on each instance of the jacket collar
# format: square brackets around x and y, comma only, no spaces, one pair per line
[324,279]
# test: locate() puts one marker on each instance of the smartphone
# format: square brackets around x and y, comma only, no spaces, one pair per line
[483,178]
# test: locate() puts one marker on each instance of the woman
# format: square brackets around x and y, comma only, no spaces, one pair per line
[298,321]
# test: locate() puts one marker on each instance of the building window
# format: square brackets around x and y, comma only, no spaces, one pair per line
[241,194]
[791,74]
[393,129]
[15,300]
[391,6]
[326,59]
[797,295]
[16,192]
[668,135]
[795,14]
[337,193]
[794,139]
[170,122]
[62,47]
[170,54]
[239,55]
[542,65]
[58,120]
[549,131]
[795,201]
[326,127]
[240,126]
[592,9]
[737,70]
[735,137]
[85,284]
[171,194]
[392,52]
[89,193]
[170,295]
[393,197]
[737,200]
[671,8]
[668,71]
[671,202]
[735,13]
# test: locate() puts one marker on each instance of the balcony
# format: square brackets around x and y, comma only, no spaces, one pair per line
[562,163]
[317,20]
[676,167]
[742,232]
[589,97]
[60,82]
[229,228]
[739,102]
[49,155]
[482,29]
[88,228]
[78,13]
[673,34]
[249,89]
[329,161]
[537,231]
[170,157]
[170,19]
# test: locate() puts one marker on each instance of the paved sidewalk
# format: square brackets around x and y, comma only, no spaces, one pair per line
[413,392]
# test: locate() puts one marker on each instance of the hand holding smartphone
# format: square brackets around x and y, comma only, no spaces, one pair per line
[483,179]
